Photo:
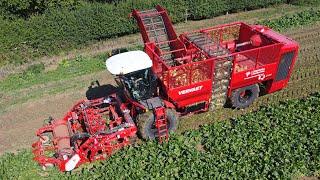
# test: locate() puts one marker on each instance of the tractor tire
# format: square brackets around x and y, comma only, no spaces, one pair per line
[146,124]
[244,97]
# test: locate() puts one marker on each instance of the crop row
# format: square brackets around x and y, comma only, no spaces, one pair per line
[275,142]
[299,19]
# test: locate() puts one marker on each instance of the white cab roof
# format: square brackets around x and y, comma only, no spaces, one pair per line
[128,62]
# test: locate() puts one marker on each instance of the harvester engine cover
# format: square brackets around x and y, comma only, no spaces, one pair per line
[91,130]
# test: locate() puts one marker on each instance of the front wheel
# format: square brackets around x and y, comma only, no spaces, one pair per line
[244,97]
[146,124]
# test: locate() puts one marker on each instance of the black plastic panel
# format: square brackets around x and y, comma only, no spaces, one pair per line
[284,66]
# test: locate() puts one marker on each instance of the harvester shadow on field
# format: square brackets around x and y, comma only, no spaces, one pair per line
[95,90]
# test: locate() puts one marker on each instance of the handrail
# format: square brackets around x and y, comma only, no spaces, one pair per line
[168,52]
[218,27]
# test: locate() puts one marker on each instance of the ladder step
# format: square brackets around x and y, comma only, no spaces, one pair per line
[148,11]
[162,131]
[148,16]
[157,29]
[159,39]
[154,18]
[161,120]
[155,36]
[154,23]
[153,15]
[163,126]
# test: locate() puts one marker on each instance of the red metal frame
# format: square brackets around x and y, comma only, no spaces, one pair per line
[101,140]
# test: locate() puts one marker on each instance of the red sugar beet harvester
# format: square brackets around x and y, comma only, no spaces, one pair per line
[226,65]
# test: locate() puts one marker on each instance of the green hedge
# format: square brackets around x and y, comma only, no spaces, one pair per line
[24,8]
[236,5]
[61,28]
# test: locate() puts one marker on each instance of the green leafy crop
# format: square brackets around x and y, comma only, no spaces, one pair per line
[276,142]
[294,20]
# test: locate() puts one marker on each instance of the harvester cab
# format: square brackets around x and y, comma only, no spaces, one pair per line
[133,73]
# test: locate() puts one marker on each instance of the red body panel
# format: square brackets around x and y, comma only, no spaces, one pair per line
[253,76]
[188,95]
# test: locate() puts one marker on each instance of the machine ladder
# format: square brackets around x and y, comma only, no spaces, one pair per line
[222,67]
[157,33]
[155,26]
[161,124]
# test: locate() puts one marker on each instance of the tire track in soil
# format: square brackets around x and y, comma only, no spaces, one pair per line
[20,121]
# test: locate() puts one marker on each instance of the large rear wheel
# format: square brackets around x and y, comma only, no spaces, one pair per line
[146,124]
[244,97]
